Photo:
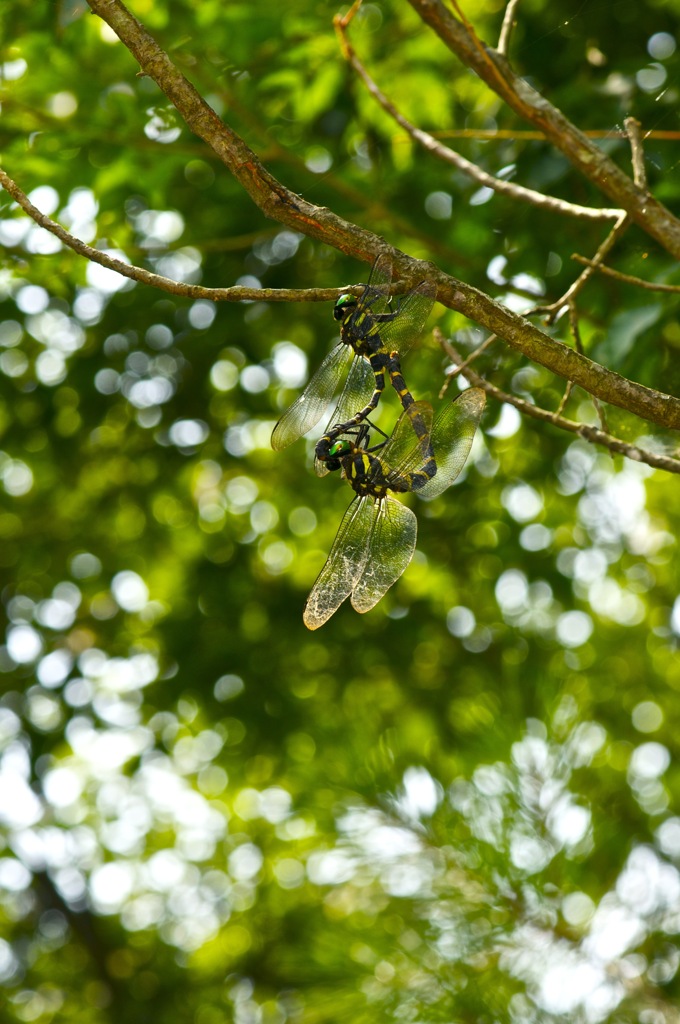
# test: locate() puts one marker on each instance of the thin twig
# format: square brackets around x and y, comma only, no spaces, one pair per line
[634,133]
[463,366]
[620,227]
[565,397]
[344,19]
[554,308]
[532,135]
[506,28]
[450,156]
[237,293]
[584,430]
[639,282]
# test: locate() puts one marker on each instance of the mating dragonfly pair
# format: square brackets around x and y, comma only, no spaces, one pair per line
[377,535]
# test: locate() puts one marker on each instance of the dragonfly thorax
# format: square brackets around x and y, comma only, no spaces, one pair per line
[366,474]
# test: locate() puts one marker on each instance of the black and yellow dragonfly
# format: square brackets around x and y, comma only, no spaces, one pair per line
[373,335]
[377,535]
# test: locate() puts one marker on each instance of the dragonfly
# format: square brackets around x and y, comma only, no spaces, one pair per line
[373,335]
[377,534]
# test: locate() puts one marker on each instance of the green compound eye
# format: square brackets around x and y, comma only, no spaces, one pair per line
[339,449]
[344,305]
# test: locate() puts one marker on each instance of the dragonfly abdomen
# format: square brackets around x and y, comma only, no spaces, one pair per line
[404,482]
[409,405]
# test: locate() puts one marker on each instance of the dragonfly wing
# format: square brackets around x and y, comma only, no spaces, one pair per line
[391,545]
[381,273]
[377,292]
[310,406]
[452,436]
[399,335]
[354,396]
[405,451]
[344,566]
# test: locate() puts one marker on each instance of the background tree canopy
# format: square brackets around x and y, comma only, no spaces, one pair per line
[463,806]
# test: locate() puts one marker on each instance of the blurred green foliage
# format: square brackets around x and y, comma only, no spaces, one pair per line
[460,807]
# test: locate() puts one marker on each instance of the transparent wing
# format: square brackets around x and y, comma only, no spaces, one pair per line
[452,435]
[405,451]
[310,406]
[376,294]
[354,396]
[391,545]
[412,311]
[344,566]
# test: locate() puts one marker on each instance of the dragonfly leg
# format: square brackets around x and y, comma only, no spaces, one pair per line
[324,443]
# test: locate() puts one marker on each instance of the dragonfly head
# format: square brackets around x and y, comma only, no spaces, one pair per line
[345,305]
[336,453]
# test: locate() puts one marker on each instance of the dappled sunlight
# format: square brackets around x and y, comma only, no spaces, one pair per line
[527,810]
[289,364]
[149,889]
[166,824]
[463,806]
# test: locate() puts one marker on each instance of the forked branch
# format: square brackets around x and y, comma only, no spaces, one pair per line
[647,212]
[282,205]
[450,156]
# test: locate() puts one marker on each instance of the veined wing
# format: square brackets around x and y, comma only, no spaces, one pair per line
[390,549]
[452,436]
[344,566]
[405,451]
[399,334]
[376,294]
[354,396]
[309,407]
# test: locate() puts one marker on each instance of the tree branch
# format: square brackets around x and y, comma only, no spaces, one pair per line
[281,204]
[589,433]
[429,143]
[190,291]
[603,383]
[639,282]
[596,166]
[559,358]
